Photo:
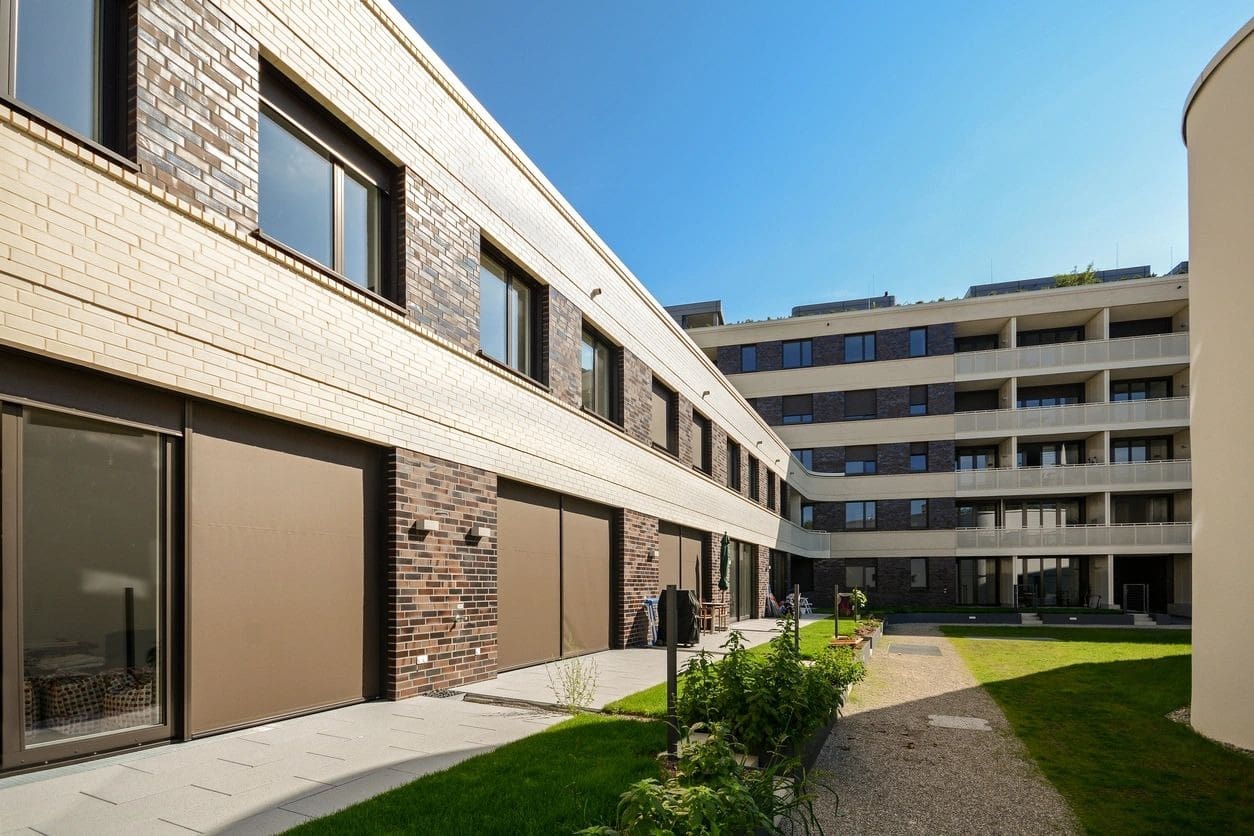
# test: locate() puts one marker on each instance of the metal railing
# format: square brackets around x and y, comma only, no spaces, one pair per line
[1086,353]
[1077,536]
[1074,416]
[1078,476]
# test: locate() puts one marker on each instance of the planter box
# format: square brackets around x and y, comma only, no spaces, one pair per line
[1085,618]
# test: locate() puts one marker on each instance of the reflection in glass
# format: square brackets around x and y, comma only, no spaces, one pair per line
[296,191]
[492,306]
[92,582]
[58,61]
[519,327]
[361,233]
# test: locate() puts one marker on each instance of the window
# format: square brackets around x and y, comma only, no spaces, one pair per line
[798,353]
[1051,454]
[1140,450]
[918,457]
[977,401]
[749,358]
[918,573]
[1050,513]
[754,479]
[806,457]
[733,465]
[700,442]
[807,515]
[918,513]
[66,60]
[1140,327]
[860,576]
[860,461]
[323,191]
[979,342]
[1140,390]
[1050,336]
[860,405]
[975,458]
[859,348]
[918,400]
[770,491]
[506,315]
[977,514]
[860,515]
[918,342]
[1033,397]
[1141,509]
[798,409]
[662,419]
[599,376]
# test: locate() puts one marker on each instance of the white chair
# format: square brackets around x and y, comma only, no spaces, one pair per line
[650,610]
[806,607]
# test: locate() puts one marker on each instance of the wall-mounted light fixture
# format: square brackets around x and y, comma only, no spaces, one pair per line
[478,532]
[459,613]
[654,554]
[759,444]
[594,293]
[429,525]
[705,394]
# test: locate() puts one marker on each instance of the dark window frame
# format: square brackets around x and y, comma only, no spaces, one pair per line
[799,416]
[807,516]
[868,516]
[866,572]
[917,405]
[918,450]
[862,416]
[1140,386]
[755,479]
[804,354]
[915,522]
[514,275]
[702,458]
[914,572]
[671,401]
[865,457]
[752,349]
[614,407]
[862,341]
[910,341]
[733,466]
[804,457]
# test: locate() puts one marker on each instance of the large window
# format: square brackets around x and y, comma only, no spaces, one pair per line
[662,419]
[1051,454]
[733,465]
[797,354]
[860,405]
[918,573]
[749,358]
[1140,390]
[918,400]
[975,458]
[1050,336]
[507,315]
[806,457]
[754,479]
[323,191]
[860,576]
[860,461]
[918,457]
[797,409]
[599,374]
[1033,397]
[859,348]
[1135,508]
[978,342]
[770,490]
[701,442]
[918,513]
[1140,449]
[860,515]
[65,60]
[918,342]
[807,515]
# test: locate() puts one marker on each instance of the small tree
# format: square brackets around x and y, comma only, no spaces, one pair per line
[1077,277]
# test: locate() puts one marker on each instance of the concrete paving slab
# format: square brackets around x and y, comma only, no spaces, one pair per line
[328,801]
[947,721]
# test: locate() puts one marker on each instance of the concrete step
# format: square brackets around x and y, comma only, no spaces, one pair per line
[1140,619]
[1030,619]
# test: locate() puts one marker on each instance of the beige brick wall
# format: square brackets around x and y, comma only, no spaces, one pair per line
[101,267]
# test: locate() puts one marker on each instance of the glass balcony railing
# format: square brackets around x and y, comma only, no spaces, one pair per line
[1174,535]
[1166,348]
[1076,477]
[1093,416]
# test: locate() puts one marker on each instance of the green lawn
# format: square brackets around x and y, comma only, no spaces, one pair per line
[1091,709]
[651,702]
[560,780]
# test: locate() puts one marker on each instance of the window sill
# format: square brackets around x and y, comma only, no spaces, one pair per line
[327,271]
[668,451]
[87,142]
[523,376]
[598,416]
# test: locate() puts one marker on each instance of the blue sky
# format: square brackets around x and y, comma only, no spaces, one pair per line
[776,154]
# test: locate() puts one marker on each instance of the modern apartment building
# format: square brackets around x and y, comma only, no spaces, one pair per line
[1027,444]
[313,389]
[1218,123]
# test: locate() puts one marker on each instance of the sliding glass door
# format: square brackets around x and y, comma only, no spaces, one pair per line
[87,525]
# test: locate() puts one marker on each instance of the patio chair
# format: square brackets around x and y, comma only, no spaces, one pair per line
[805,606]
[650,611]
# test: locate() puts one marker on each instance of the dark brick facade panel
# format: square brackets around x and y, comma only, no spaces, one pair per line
[429,574]
[770,356]
[940,456]
[709,570]
[893,458]
[763,578]
[892,402]
[196,130]
[892,514]
[829,516]
[829,406]
[828,350]
[892,582]
[718,454]
[439,274]
[829,459]
[560,343]
[771,408]
[940,338]
[683,416]
[635,575]
[892,344]
[728,360]
[637,396]
[940,399]
[942,512]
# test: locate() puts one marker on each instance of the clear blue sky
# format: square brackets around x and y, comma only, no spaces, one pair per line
[775,154]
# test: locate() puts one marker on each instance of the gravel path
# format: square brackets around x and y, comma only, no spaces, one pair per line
[896,773]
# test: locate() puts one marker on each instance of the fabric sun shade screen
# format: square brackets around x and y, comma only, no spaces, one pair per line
[700,443]
[585,576]
[679,560]
[660,423]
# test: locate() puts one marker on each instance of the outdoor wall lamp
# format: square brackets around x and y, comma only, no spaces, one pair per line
[596,291]
[459,613]
[654,554]
[478,532]
[429,525]
[705,394]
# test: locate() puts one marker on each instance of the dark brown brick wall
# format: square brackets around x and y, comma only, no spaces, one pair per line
[892,344]
[940,398]
[763,580]
[439,275]
[561,334]
[828,350]
[637,395]
[770,408]
[829,459]
[635,575]
[429,574]
[718,453]
[728,359]
[940,338]
[683,420]
[892,582]
[196,131]
[829,406]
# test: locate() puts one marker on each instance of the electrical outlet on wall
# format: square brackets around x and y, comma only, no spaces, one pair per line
[422,660]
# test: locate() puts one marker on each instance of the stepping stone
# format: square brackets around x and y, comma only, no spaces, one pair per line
[914,649]
[946,721]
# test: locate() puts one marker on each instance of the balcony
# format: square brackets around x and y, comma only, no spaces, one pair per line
[1084,417]
[1092,539]
[1083,478]
[1157,349]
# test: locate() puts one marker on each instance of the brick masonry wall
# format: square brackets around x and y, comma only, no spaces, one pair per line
[683,418]
[728,359]
[718,453]
[770,356]
[940,398]
[196,131]
[709,570]
[428,575]
[892,344]
[940,338]
[829,406]
[763,578]
[439,274]
[828,350]
[637,398]
[561,336]
[635,575]
[771,408]
[829,459]
[892,581]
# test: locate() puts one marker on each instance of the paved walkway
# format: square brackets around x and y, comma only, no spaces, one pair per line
[908,755]
[264,779]
[619,672]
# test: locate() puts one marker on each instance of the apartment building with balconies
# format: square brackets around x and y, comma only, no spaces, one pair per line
[1025,445]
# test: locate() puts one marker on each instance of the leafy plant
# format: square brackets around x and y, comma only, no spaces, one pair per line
[574,684]
[1077,277]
